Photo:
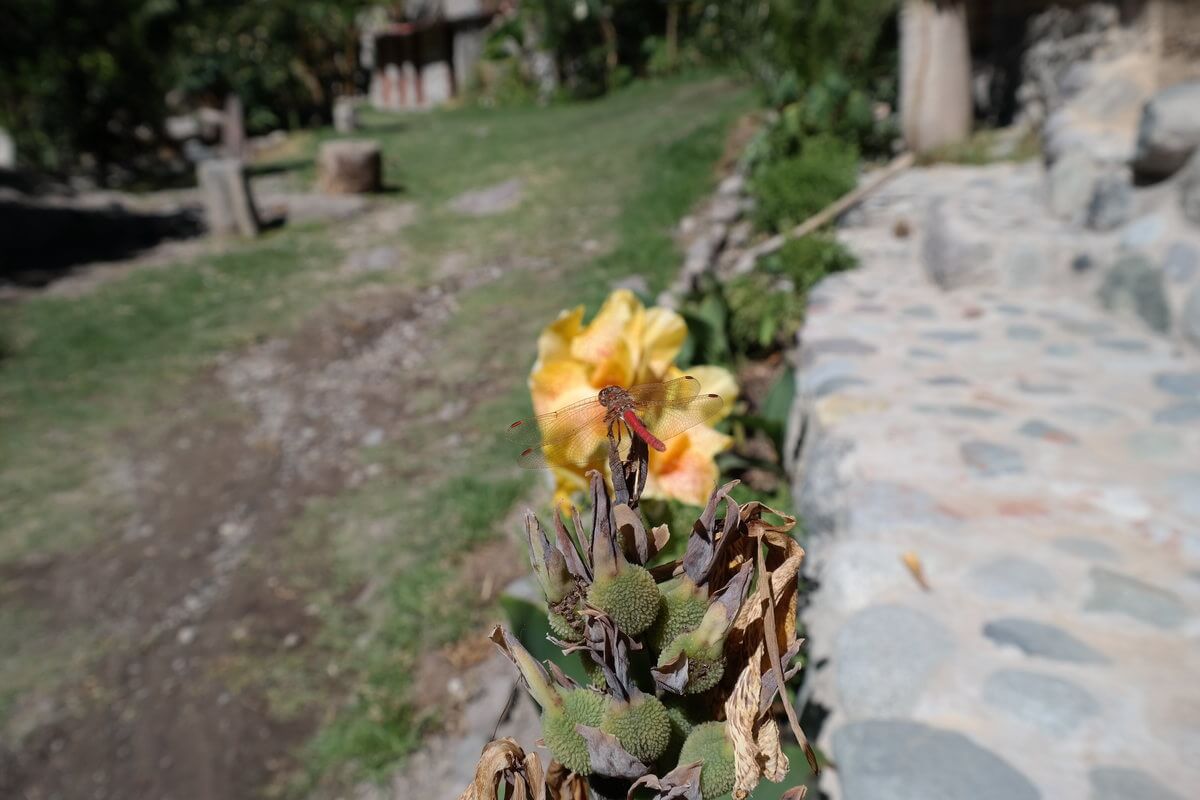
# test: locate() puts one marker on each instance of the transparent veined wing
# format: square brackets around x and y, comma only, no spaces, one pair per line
[569,436]
[665,392]
[668,420]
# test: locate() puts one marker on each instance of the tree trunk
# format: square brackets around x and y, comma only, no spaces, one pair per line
[672,35]
[935,74]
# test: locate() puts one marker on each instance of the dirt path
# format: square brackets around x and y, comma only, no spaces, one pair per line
[203,582]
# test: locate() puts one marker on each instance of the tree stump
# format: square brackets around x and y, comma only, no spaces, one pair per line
[349,166]
[935,74]
[228,204]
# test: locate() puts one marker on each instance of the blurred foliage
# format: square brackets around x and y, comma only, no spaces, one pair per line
[84,84]
[791,188]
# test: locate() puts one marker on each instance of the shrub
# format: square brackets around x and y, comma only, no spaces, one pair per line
[806,260]
[790,190]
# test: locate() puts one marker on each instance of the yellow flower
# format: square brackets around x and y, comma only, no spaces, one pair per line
[625,345]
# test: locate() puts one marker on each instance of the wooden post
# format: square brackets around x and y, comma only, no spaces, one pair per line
[935,74]
[233,130]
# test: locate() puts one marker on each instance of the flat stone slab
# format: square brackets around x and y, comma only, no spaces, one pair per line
[1123,783]
[898,760]
[1055,705]
[1123,594]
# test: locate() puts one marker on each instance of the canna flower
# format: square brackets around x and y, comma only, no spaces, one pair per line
[627,344]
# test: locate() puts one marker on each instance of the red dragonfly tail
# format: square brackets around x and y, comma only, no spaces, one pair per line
[635,424]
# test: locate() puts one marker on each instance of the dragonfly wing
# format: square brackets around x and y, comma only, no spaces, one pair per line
[666,392]
[548,428]
[671,419]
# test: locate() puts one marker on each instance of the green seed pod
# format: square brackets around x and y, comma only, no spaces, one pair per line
[562,629]
[683,721]
[710,745]
[681,609]
[641,726]
[584,706]
[630,597]
[594,672]
[565,743]
[706,663]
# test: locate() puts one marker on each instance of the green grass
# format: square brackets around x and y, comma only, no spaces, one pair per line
[605,183]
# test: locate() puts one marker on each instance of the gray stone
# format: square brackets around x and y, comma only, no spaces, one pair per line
[228,205]
[1013,578]
[1084,547]
[951,337]
[971,412]
[1083,263]
[901,760]
[1111,205]
[1009,310]
[374,259]
[988,459]
[948,380]
[1154,444]
[1088,414]
[1169,130]
[1185,490]
[840,346]
[1055,705]
[1180,384]
[952,255]
[920,312]
[494,199]
[925,353]
[884,657]
[1134,285]
[1062,350]
[1037,429]
[1071,183]
[875,505]
[1084,327]
[350,166]
[1124,345]
[1113,592]
[1189,322]
[1126,783]
[1189,190]
[1143,232]
[1183,413]
[1181,262]
[1024,333]
[1034,387]
[837,384]
[1041,640]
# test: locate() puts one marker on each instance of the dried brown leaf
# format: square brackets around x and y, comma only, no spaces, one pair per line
[608,757]
[504,763]
[681,783]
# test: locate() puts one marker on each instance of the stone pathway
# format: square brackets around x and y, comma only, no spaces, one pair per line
[1040,458]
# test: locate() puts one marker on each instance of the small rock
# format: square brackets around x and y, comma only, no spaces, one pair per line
[1189,190]
[1113,592]
[186,635]
[988,460]
[1189,323]
[374,438]
[1134,285]
[292,641]
[490,200]
[634,283]
[374,259]
[885,656]
[1041,640]
[1071,185]
[1153,444]
[1056,705]
[902,760]
[1124,783]
[1181,262]
[1084,547]
[1024,333]
[1037,429]
[1143,232]
[1111,205]
[1183,413]
[1082,263]
[1169,130]
[840,346]
[1180,384]
[951,337]
[953,255]
[1012,578]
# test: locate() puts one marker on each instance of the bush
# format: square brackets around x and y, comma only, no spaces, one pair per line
[789,190]
[807,260]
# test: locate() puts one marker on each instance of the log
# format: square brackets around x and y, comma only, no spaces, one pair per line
[228,205]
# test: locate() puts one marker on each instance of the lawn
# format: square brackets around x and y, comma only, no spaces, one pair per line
[383,565]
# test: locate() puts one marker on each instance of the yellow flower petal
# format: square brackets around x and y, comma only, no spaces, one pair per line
[600,338]
[559,384]
[716,380]
[555,340]
[687,471]
[661,333]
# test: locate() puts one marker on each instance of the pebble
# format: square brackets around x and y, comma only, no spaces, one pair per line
[882,759]
[1055,705]
[1024,333]
[951,337]
[1084,547]
[1037,429]
[1012,578]
[884,658]
[1179,384]
[1113,592]
[1041,640]
[988,459]
[1183,413]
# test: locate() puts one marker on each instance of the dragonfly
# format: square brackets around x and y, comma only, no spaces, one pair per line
[577,435]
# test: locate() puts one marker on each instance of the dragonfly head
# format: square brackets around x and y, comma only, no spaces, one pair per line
[612,396]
